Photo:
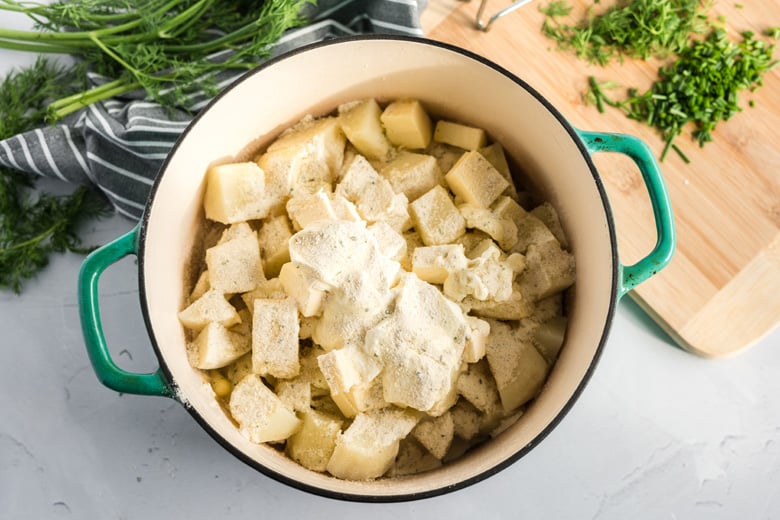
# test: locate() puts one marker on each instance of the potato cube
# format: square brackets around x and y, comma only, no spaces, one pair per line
[435,263]
[301,284]
[211,307]
[275,338]
[445,155]
[485,277]
[235,192]
[368,447]
[465,419]
[237,230]
[388,240]
[266,290]
[307,208]
[507,208]
[476,339]
[436,434]
[361,123]
[234,266]
[531,230]
[273,237]
[372,194]
[494,153]
[237,370]
[261,415]
[412,459]
[515,308]
[478,387]
[548,338]
[360,398]
[332,248]
[303,160]
[346,367]
[547,214]
[502,230]
[518,368]
[201,286]
[294,393]
[412,174]
[322,139]
[407,124]
[462,136]
[475,180]
[218,347]
[549,270]
[313,445]
[310,371]
[436,218]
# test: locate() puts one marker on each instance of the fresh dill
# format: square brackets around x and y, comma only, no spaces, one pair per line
[166,47]
[33,225]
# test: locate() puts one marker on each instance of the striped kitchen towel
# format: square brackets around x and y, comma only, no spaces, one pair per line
[118,145]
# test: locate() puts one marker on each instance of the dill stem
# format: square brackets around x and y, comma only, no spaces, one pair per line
[38,47]
[110,86]
[37,239]
[182,21]
[91,96]
[84,36]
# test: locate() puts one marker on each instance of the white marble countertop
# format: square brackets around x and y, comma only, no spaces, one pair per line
[658,433]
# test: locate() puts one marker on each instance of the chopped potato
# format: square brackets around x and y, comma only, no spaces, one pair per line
[372,310]
[407,124]
[462,136]
[363,127]
[436,218]
[235,193]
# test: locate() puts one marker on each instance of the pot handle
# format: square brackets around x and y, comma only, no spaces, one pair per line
[106,370]
[640,153]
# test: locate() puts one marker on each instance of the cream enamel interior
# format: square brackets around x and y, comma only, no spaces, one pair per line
[448,82]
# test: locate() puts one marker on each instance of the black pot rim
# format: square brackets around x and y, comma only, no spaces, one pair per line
[444,489]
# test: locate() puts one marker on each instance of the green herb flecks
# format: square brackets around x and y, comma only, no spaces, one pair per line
[167,47]
[701,87]
[637,29]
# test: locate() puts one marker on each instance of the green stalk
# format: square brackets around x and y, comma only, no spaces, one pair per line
[39,47]
[69,104]
[91,96]
[83,35]
[182,21]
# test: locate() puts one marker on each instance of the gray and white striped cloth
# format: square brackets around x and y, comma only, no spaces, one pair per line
[120,144]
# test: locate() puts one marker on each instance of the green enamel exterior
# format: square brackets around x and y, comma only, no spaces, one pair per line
[106,370]
[632,275]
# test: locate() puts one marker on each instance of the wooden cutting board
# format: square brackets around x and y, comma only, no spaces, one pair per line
[721,292]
